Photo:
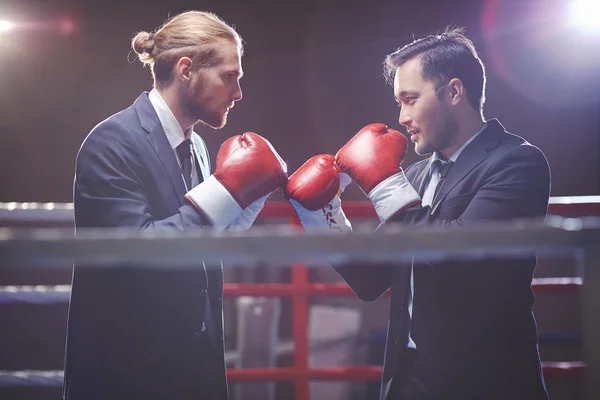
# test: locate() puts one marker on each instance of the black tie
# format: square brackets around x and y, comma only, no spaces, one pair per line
[185,156]
[444,168]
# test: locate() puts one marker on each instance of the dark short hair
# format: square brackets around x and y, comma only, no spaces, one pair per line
[444,57]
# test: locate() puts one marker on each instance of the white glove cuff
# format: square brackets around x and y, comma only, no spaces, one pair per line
[215,202]
[328,218]
[245,220]
[392,195]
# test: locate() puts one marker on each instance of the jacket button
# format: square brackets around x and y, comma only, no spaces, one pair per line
[204,293]
[196,336]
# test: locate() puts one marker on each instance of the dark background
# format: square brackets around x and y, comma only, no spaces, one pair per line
[313,78]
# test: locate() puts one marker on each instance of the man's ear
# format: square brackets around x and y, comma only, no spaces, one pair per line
[456,91]
[183,68]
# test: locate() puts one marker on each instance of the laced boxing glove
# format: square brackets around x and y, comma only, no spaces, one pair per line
[314,192]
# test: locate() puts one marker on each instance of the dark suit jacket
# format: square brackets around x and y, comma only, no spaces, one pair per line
[135,333]
[472,320]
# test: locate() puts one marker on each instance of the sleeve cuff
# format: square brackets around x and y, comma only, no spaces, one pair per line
[212,199]
[393,195]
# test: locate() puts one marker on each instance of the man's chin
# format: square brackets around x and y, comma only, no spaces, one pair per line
[422,150]
[216,122]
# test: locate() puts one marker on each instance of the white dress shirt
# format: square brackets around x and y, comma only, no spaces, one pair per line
[433,179]
[176,136]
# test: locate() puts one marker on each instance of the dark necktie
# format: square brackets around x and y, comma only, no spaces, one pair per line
[185,156]
[443,168]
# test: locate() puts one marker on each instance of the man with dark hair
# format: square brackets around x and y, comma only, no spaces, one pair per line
[459,329]
[446,56]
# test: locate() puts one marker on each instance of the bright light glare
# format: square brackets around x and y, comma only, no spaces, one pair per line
[5,26]
[584,14]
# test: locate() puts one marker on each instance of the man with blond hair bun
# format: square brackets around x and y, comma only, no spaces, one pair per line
[136,333]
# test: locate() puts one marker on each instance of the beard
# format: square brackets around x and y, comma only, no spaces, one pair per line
[196,106]
[442,129]
[213,120]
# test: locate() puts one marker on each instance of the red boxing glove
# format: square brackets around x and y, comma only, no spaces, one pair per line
[248,169]
[315,183]
[372,155]
[314,193]
[372,158]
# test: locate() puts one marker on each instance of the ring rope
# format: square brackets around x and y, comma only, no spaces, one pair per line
[561,369]
[281,245]
[43,294]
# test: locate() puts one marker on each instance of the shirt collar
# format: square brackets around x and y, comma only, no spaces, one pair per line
[169,123]
[437,156]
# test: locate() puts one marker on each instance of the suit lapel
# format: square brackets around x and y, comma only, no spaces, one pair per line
[158,139]
[474,154]
[423,177]
[201,155]
[417,175]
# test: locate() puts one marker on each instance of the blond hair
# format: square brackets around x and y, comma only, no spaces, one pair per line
[190,34]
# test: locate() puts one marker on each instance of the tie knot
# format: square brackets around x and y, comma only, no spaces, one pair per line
[184,149]
[444,168]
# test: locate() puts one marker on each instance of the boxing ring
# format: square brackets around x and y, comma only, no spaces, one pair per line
[571,228]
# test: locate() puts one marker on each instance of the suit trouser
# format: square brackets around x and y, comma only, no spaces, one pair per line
[197,377]
[406,384]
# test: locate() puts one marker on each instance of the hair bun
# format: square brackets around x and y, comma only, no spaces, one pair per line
[143,47]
